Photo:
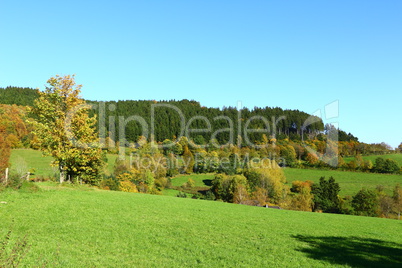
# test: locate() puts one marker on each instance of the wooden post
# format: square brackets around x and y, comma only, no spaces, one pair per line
[6,178]
[61,174]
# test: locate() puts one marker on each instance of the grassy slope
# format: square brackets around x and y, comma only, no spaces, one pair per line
[396,157]
[201,180]
[28,159]
[350,182]
[75,228]
[202,183]
[34,159]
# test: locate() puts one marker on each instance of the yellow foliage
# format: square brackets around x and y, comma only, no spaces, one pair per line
[312,159]
[302,201]
[261,195]
[127,176]
[240,195]
[13,141]
[128,186]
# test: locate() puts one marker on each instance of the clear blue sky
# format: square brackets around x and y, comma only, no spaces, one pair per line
[292,54]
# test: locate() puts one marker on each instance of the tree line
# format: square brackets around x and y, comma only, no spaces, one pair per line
[285,143]
[244,174]
[288,123]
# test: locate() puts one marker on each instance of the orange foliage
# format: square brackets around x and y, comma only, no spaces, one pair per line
[12,121]
[312,159]
[5,151]
[260,195]
[298,186]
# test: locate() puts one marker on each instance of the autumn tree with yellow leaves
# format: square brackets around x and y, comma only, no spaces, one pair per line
[65,131]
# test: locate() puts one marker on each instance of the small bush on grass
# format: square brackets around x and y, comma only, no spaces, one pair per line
[182,195]
[109,183]
[15,181]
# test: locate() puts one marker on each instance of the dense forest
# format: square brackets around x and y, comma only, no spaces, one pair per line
[23,96]
[168,121]
[117,116]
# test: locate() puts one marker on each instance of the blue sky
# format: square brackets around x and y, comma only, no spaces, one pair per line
[292,54]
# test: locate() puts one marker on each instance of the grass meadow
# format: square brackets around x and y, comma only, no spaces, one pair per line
[23,160]
[26,159]
[349,181]
[201,180]
[396,157]
[83,227]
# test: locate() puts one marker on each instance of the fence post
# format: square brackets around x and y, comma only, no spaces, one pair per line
[6,178]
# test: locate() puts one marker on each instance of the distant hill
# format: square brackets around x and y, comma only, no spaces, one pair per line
[23,96]
[167,120]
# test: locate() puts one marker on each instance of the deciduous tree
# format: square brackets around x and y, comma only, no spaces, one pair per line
[365,203]
[188,160]
[303,201]
[4,152]
[65,131]
[397,197]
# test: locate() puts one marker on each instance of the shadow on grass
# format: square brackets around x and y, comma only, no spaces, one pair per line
[352,251]
[207,182]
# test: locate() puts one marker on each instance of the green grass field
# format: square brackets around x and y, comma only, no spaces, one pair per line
[350,182]
[396,157]
[201,180]
[72,227]
[26,159]
[22,160]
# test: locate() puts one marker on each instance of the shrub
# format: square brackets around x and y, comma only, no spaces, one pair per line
[225,187]
[298,185]
[365,203]
[128,186]
[161,183]
[271,179]
[260,195]
[182,195]
[209,195]
[15,181]
[109,184]
[303,201]
[189,184]
[386,166]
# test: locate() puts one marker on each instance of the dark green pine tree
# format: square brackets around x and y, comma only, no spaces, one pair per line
[326,196]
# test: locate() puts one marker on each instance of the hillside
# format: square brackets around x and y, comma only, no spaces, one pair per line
[23,96]
[170,113]
[372,158]
[73,227]
[350,182]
